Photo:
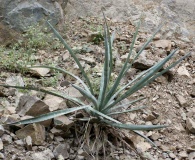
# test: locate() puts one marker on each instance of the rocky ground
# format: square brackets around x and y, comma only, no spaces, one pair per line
[170,100]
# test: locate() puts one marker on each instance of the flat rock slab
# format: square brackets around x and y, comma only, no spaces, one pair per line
[35,131]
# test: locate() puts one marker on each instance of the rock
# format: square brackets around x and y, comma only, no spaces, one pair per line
[183,154]
[58,139]
[32,106]
[39,72]
[2,156]
[62,149]
[182,71]
[142,62]
[191,148]
[171,155]
[15,81]
[1,130]
[150,117]
[19,142]
[190,124]
[191,156]
[7,35]
[1,144]
[72,92]
[47,154]
[21,14]
[6,139]
[63,122]
[193,92]
[54,102]
[182,100]
[164,44]
[35,131]
[28,143]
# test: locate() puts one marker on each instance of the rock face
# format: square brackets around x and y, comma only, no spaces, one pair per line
[20,14]
[178,13]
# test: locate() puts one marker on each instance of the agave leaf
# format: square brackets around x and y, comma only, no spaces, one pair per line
[106,72]
[109,45]
[74,100]
[73,55]
[47,116]
[145,137]
[166,69]
[128,84]
[64,71]
[123,105]
[123,70]
[135,127]
[86,94]
[102,115]
[146,44]
[129,110]
[142,81]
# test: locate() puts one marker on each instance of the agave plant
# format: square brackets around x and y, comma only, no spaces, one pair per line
[106,104]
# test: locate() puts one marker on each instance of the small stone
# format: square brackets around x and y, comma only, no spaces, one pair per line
[183,154]
[40,72]
[62,149]
[182,100]
[28,143]
[54,102]
[190,124]
[58,139]
[6,139]
[32,106]
[155,136]
[182,71]
[15,81]
[35,131]
[191,148]
[150,117]
[191,156]
[72,92]
[46,154]
[1,144]
[164,44]
[142,62]
[63,122]
[19,142]
[2,156]
[1,130]
[171,155]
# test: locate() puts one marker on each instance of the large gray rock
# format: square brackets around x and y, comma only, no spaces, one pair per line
[20,14]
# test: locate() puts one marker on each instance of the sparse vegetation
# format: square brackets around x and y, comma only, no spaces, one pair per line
[102,107]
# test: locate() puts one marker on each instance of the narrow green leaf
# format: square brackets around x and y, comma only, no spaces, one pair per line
[147,42]
[102,115]
[74,100]
[73,55]
[65,72]
[86,94]
[123,105]
[125,111]
[123,70]
[151,73]
[47,116]
[106,72]
[145,137]
[135,127]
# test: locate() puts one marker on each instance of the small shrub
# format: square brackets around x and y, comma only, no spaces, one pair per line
[103,106]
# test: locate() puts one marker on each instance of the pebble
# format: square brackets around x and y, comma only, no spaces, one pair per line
[1,130]
[2,156]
